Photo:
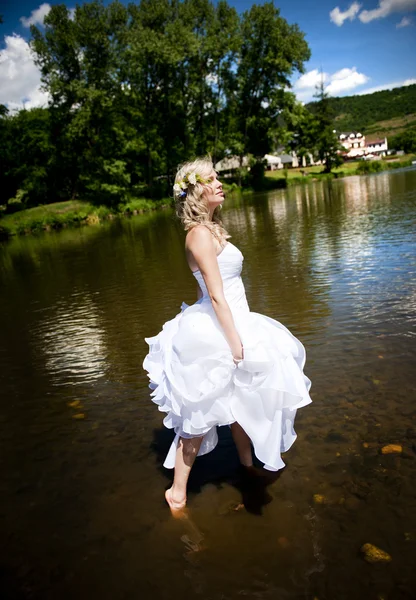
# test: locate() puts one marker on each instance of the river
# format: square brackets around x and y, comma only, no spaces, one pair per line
[81,506]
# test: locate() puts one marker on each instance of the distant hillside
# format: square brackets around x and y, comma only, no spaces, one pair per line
[386,112]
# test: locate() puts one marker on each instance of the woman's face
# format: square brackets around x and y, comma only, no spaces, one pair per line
[213,192]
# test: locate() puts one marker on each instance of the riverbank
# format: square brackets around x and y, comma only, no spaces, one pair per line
[286,177]
[71,213]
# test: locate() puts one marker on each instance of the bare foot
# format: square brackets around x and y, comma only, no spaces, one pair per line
[176,508]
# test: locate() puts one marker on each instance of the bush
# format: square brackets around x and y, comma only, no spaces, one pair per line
[102,212]
[404,141]
[140,205]
[399,164]
[53,221]
[373,166]
[17,202]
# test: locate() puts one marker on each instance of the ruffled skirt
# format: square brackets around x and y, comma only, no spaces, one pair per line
[194,380]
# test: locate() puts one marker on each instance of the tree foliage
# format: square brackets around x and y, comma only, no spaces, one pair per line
[404,141]
[301,131]
[327,146]
[356,113]
[137,89]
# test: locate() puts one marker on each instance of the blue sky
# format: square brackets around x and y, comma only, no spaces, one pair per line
[359,46]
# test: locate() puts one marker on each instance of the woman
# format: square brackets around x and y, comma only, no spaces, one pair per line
[216,362]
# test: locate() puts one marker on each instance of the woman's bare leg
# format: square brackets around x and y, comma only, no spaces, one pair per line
[243,443]
[186,453]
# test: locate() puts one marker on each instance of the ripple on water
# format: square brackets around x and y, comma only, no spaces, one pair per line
[336,263]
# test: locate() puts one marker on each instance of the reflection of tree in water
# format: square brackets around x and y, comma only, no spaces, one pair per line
[293,238]
[276,235]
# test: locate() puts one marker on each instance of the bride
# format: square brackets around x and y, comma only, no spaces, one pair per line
[216,362]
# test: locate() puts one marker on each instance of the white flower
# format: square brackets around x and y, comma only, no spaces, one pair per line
[177,188]
[183,185]
[192,178]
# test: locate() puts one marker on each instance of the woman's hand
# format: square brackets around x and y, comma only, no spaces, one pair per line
[238,356]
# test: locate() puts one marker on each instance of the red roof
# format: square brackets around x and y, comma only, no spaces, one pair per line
[373,142]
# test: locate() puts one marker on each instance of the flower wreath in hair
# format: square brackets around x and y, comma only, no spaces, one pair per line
[180,188]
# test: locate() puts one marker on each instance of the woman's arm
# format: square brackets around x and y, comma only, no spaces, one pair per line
[200,243]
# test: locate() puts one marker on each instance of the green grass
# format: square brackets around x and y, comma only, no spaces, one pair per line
[50,216]
[70,213]
[295,176]
[315,170]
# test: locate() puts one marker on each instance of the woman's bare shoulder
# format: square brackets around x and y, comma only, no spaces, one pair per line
[199,241]
[197,236]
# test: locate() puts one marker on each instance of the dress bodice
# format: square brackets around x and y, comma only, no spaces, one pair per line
[230,262]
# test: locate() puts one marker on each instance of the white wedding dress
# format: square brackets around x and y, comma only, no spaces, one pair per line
[195,381]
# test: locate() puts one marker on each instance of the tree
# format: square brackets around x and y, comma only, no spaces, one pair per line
[25,155]
[404,141]
[356,113]
[302,129]
[223,45]
[78,61]
[327,145]
[271,51]
[134,90]
[149,84]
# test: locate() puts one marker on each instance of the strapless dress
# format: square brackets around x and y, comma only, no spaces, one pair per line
[195,381]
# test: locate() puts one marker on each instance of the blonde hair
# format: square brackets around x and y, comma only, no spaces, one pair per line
[191,208]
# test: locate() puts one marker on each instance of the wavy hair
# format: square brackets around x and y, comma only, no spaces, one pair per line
[191,208]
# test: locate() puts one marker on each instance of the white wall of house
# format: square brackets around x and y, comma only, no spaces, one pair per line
[356,145]
[378,147]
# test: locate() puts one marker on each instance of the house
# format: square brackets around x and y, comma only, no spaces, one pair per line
[353,143]
[289,160]
[281,161]
[357,146]
[273,162]
[227,165]
[377,146]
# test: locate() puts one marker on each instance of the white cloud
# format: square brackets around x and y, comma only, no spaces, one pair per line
[338,17]
[345,80]
[387,86]
[19,76]
[310,80]
[385,8]
[339,82]
[36,16]
[405,22]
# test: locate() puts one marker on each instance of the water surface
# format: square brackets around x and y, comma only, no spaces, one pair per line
[81,446]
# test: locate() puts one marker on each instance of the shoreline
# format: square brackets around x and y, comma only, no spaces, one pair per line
[71,213]
[302,175]
[77,213]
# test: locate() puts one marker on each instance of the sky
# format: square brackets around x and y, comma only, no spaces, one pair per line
[358,47]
